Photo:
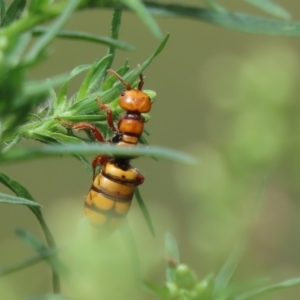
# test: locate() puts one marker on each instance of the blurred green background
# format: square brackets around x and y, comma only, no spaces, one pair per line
[229,98]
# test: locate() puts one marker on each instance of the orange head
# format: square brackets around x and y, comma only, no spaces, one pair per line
[133,100]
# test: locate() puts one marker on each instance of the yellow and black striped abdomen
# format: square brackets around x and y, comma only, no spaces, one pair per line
[109,198]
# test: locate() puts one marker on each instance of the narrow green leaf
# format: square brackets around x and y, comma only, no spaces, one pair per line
[83,36]
[87,118]
[85,84]
[17,200]
[94,78]
[37,87]
[31,240]
[62,95]
[160,291]
[240,287]
[86,164]
[269,289]
[20,47]
[233,20]
[56,137]
[38,246]
[14,186]
[22,192]
[13,12]
[172,247]
[65,139]
[173,257]
[132,75]
[28,262]
[49,104]
[139,8]
[44,138]
[88,105]
[12,143]
[115,27]
[143,140]
[144,210]
[271,8]
[214,6]
[79,69]
[44,41]
[228,269]
[109,149]
[57,267]
[2,10]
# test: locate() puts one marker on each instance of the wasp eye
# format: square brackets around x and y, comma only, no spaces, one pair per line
[123,93]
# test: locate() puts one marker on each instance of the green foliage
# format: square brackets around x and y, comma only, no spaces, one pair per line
[56,264]
[31,109]
[230,19]
[183,283]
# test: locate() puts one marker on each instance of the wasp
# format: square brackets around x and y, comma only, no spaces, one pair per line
[112,190]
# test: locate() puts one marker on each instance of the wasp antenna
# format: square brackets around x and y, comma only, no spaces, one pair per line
[128,86]
[141,83]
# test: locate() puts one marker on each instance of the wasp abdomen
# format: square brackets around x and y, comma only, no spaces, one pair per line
[110,196]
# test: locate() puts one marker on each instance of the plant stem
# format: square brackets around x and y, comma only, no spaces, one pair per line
[115,27]
[52,245]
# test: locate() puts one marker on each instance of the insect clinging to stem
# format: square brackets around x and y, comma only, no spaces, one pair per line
[112,190]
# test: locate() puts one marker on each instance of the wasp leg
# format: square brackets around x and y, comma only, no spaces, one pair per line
[67,124]
[141,83]
[83,126]
[94,130]
[109,115]
[99,160]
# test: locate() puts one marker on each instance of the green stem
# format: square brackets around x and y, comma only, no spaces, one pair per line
[52,245]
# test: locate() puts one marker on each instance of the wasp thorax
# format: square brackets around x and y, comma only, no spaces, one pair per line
[135,101]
